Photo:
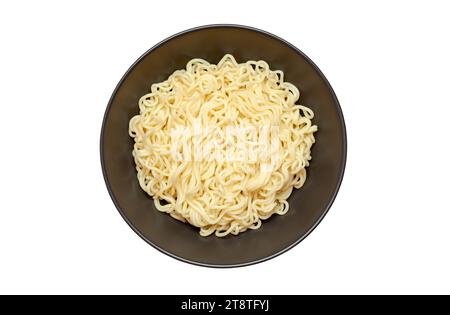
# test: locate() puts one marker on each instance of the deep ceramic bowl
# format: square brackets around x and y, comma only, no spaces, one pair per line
[308,205]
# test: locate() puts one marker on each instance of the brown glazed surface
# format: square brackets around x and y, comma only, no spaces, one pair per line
[307,206]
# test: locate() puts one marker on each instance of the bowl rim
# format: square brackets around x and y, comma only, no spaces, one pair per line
[341,170]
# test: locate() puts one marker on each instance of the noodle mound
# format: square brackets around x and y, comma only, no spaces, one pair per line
[222,146]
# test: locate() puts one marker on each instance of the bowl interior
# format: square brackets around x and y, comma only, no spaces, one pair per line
[307,205]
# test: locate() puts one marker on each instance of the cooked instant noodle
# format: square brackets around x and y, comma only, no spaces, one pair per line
[222,146]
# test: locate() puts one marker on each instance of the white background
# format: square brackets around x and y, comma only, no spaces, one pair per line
[388,230]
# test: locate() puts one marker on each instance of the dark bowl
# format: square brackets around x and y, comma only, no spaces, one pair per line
[308,205]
